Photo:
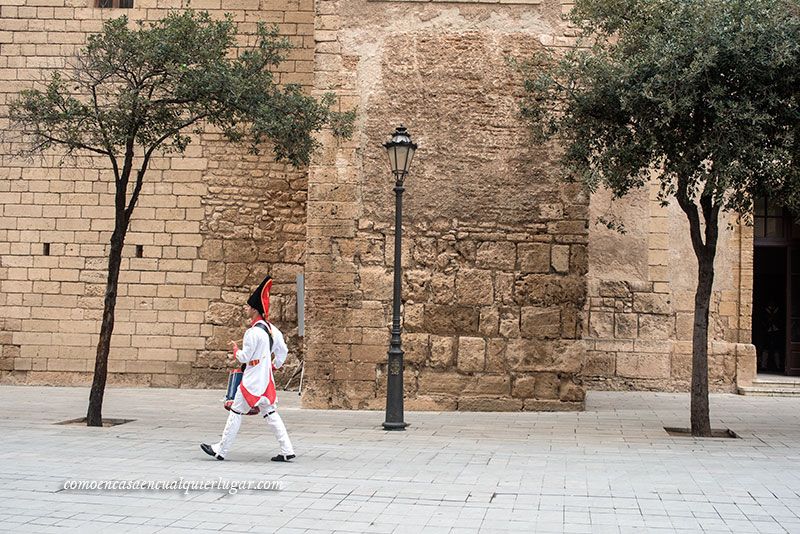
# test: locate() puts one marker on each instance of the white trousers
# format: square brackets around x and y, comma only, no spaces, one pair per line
[266,412]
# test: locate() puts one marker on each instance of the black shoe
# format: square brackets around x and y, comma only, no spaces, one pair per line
[282,458]
[209,451]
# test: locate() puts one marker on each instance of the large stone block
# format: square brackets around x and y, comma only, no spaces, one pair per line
[363,395]
[722,367]
[745,364]
[601,324]
[571,390]
[451,319]
[443,288]
[650,366]
[220,313]
[496,355]
[599,363]
[684,326]
[474,287]
[509,326]
[547,386]
[376,283]
[444,382]
[504,288]
[540,323]
[425,253]
[549,290]
[614,289]
[626,325]
[416,348]
[490,385]
[359,353]
[471,354]
[527,355]
[523,387]
[533,257]
[496,255]
[656,326]
[571,323]
[489,321]
[416,285]
[652,303]
[442,351]
[578,259]
[413,317]
[559,258]
[318,371]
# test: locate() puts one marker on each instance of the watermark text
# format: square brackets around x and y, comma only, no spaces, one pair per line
[181,484]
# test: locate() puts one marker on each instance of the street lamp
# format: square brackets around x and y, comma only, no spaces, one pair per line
[400,151]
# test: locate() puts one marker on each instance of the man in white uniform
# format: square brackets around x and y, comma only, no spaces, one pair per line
[257,390]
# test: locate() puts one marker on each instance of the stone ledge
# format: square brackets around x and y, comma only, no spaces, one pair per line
[504,2]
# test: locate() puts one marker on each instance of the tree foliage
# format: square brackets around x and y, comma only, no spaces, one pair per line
[700,96]
[701,90]
[155,83]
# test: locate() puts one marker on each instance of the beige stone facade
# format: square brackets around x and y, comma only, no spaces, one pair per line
[209,225]
[514,297]
[640,309]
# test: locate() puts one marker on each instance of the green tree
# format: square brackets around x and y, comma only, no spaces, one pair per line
[700,96]
[135,91]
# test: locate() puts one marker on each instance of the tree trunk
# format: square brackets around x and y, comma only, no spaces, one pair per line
[705,251]
[701,424]
[94,415]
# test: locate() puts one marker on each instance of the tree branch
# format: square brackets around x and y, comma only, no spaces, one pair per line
[689,207]
[104,133]
[146,161]
[710,215]
[72,146]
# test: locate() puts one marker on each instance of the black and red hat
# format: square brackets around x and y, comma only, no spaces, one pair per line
[259,300]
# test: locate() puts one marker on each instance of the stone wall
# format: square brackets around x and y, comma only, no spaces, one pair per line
[495,243]
[641,299]
[514,296]
[209,224]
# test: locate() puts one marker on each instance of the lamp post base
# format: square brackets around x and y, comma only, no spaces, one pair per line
[394,426]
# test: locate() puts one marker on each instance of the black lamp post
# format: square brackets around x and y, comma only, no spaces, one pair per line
[400,151]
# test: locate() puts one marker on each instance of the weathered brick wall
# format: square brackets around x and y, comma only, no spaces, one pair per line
[210,224]
[641,300]
[495,242]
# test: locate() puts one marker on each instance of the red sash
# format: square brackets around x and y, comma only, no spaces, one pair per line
[270,393]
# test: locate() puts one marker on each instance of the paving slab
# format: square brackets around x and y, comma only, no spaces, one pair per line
[611,468]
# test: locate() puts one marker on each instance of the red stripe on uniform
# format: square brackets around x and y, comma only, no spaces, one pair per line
[251,399]
[270,393]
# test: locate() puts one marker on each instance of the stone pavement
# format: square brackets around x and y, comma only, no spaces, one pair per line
[609,469]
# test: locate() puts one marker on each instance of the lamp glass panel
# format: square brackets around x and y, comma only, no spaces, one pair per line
[411,151]
[392,154]
[402,158]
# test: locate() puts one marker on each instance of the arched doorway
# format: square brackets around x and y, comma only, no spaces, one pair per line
[776,290]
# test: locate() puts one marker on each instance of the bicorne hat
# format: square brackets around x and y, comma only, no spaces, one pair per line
[260,298]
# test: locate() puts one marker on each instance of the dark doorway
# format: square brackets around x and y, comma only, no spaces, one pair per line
[776,289]
[769,308]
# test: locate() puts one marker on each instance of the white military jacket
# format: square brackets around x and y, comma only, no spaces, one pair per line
[256,351]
